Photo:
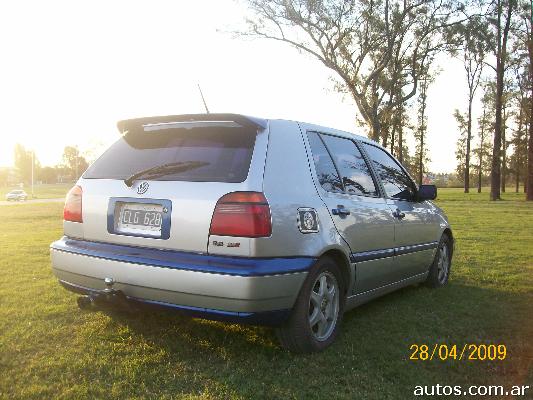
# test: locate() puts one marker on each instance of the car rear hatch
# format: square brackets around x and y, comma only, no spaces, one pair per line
[158,185]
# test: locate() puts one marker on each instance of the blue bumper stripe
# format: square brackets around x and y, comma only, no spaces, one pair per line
[240,266]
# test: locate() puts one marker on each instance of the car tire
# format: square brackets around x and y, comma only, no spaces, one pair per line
[439,271]
[316,317]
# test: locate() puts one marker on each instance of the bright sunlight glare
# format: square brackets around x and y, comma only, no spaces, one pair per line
[70,70]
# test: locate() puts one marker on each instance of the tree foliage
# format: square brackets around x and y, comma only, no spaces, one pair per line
[73,162]
[23,163]
[471,43]
[381,52]
[376,48]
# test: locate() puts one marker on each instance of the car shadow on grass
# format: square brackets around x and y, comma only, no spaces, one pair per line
[374,346]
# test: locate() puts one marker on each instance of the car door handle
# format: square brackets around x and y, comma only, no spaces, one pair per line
[340,210]
[398,214]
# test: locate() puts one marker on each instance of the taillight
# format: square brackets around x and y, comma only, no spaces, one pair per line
[242,214]
[72,210]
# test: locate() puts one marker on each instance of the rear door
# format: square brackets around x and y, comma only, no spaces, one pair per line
[169,207]
[360,215]
[416,229]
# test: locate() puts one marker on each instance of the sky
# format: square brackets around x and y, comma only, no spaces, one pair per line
[70,70]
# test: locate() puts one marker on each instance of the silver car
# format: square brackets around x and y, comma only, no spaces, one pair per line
[242,219]
[17,195]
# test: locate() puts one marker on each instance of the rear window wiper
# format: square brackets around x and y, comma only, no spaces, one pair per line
[164,169]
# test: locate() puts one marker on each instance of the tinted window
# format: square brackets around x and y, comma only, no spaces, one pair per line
[208,155]
[395,181]
[352,166]
[325,169]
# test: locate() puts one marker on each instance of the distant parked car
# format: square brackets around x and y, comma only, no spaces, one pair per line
[243,219]
[17,195]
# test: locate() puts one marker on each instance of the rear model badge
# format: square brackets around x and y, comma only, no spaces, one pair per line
[142,188]
[307,220]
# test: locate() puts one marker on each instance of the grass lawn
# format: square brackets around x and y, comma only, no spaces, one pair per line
[44,191]
[50,349]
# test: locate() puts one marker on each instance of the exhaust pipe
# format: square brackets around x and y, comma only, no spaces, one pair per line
[84,302]
[107,297]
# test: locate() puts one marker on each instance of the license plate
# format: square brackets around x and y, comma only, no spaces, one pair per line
[139,219]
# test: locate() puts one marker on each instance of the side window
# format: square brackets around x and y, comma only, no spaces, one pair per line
[395,181]
[352,166]
[325,169]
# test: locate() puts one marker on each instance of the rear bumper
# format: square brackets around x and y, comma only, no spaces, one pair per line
[230,288]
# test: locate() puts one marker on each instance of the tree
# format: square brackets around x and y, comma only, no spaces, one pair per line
[521,61]
[421,130]
[473,39]
[485,125]
[502,24]
[506,114]
[368,44]
[460,152]
[400,121]
[23,163]
[4,175]
[526,10]
[48,175]
[74,162]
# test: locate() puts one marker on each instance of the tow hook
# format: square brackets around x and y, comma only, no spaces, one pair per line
[105,298]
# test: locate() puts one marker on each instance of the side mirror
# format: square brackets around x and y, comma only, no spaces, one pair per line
[427,192]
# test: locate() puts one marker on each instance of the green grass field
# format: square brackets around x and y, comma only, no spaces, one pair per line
[50,349]
[44,191]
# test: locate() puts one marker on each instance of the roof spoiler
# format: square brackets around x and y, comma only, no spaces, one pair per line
[189,121]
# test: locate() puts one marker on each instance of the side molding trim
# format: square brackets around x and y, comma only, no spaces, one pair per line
[396,251]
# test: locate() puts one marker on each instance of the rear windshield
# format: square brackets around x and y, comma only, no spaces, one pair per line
[212,155]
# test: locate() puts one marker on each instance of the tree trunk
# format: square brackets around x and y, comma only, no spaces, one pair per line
[529,182]
[500,63]
[392,138]
[496,150]
[482,143]
[526,132]
[400,144]
[421,160]
[385,138]
[504,149]
[375,129]
[517,154]
[400,136]
[468,139]
[422,130]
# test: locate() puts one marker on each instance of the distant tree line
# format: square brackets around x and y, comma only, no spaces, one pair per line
[383,55]
[72,165]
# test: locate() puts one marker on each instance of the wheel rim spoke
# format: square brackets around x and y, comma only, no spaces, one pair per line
[322,324]
[323,285]
[443,263]
[330,293]
[315,317]
[316,299]
[323,306]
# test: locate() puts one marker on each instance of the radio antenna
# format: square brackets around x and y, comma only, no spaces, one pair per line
[201,94]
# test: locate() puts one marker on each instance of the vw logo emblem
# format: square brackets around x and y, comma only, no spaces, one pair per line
[143,187]
[309,221]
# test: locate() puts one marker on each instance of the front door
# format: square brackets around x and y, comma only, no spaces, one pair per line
[415,230]
[361,216]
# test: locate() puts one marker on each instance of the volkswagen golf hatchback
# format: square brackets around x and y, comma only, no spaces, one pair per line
[249,220]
